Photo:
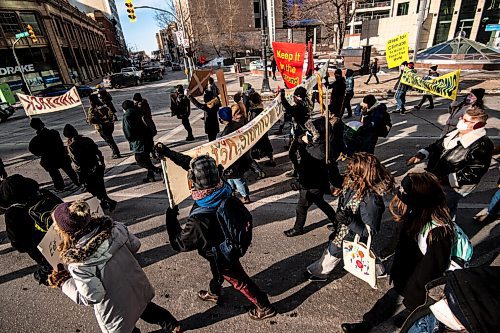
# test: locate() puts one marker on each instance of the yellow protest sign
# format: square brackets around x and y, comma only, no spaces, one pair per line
[396,50]
[445,85]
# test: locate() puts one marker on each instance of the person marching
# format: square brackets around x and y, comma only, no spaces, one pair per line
[349,91]
[143,105]
[458,109]
[401,88]
[432,74]
[210,108]
[338,87]
[102,117]
[102,271]
[107,99]
[89,165]
[263,147]
[361,204]
[181,108]
[374,68]
[274,66]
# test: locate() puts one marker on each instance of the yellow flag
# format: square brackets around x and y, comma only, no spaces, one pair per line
[445,85]
[396,50]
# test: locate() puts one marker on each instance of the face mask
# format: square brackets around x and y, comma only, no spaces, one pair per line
[462,125]
[470,99]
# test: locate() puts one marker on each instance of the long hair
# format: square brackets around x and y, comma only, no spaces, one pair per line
[426,190]
[366,173]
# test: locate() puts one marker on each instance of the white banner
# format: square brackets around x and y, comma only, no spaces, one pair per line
[34,105]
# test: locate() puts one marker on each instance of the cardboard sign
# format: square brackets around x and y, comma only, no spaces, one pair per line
[445,85]
[396,50]
[48,245]
[199,82]
[320,93]
[221,80]
[228,149]
[34,105]
[290,60]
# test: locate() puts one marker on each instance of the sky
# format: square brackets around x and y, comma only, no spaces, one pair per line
[141,35]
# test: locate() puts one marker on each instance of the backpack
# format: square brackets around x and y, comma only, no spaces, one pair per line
[102,115]
[42,210]
[236,223]
[385,128]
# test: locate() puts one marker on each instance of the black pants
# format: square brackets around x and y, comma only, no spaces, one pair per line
[347,103]
[3,174]
[370,76]
[212,136]
[155,314]
[94,182]
[235,274]
[334,176]
[106,132]
[57,178]
[187,126]
[293,152]
[424,98]
[144,161]
[389,305]
[306,199]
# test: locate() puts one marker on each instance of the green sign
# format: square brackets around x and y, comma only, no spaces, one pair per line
[6,94]
[22,34]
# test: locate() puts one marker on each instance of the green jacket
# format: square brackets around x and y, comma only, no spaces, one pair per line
[136,132]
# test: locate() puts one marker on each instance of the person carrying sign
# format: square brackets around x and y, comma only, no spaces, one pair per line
[210,108]
[432,74]
[181,108]
[401,88]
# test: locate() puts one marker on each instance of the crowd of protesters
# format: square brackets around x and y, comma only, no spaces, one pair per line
[99,254]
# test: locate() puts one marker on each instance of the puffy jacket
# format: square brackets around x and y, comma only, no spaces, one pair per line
[85,155]
[146,115]
[299,112]
[100,115]
[48,145]
[136,132]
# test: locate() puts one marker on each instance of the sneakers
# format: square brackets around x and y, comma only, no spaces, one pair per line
[417,107]
[262,313]
[246,200]
[314,278]
[430,107]
[381,272]
[261,175]
[207,296]
[293,232]
[149,180]
[190,138]
[116,156]
[362,327]
[111,205]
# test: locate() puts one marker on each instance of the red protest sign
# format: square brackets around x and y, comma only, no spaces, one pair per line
[290,59]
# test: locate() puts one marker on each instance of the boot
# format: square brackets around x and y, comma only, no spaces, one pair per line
[362,327]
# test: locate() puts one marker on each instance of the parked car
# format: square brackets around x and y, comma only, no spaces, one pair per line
[152,74]
[119,80]
[60,89]
[132,71]
[6,111]
[176,67]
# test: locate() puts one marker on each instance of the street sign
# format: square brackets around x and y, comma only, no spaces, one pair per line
[22,34]
[492,27]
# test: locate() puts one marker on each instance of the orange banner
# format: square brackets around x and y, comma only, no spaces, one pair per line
[290,60]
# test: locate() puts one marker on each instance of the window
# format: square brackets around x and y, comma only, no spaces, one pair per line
[357,29]
[466,17]
[28,18]
[9,23]
[444,21]
[59,30]
[403,8]
[257,22]
[256,8]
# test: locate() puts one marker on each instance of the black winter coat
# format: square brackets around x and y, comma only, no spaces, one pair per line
[47,144]
[180,106]
[85,155]
[211,118]
[136,131]
[336,106]
[299,113]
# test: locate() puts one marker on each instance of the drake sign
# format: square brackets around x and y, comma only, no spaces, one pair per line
[17,69]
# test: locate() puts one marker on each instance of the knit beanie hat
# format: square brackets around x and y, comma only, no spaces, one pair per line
[69,131]
[225,113]
[369,100]
[434,67]
[17,189]
[36,124]
[478,92]
[411,65]
[71,217]
[137,97]
[300,92]
[203,172]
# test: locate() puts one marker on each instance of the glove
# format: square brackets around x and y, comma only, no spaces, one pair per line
[162,150]
[57,278]
[171,214]
[344,216]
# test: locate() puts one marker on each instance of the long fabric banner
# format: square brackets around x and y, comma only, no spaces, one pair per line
[227,149]
[34,105]
[396,50]
[445,85]
[290,60]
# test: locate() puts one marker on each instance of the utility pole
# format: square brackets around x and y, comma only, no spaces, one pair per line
[420,23]
[265,79]
[184,32]
[19,65]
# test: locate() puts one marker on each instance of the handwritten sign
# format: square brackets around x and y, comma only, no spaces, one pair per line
[396,50]
[221,80]
[290,60]
[34,105]
[199,82]
[445,85]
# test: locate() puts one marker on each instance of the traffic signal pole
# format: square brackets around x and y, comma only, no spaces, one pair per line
[19,65]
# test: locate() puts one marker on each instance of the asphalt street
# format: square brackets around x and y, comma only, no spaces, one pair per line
[275,262]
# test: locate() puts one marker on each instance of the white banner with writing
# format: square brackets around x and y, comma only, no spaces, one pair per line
[34,105]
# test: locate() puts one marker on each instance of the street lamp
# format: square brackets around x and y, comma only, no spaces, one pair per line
[18,38]
[265,79]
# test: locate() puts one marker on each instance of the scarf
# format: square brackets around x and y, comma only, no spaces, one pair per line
[210,198]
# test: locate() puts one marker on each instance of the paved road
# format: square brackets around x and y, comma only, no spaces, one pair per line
[276,262]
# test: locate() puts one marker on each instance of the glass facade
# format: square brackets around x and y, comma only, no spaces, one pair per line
[444,21]
[466,17]
[491,15]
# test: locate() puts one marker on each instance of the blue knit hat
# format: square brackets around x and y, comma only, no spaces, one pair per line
[225,113]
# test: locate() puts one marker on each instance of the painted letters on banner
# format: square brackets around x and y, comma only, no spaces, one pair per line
[290,60]
[227,149]
[396,50]
[199,82]
[34,105]
[445,85]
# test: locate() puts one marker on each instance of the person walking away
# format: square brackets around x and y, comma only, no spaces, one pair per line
[374,68]
[47,145]
[181,108]
[3,173]
[349,91]
[401,88]
[361,204]
[203,232]
[458,109]
[263,147]
[338,87]
[461,158]
[103,120]
[27,218]
[300,114]
[212,87]
[423,252]
[432,74]
[273,68]
[88,162]
[138,135]
[107,99]
[210,108]
[376,122]
[143,105]
[102,271]
[239,110]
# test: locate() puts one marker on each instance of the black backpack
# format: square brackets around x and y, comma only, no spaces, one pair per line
[386,126]
[236,223]
[41,211]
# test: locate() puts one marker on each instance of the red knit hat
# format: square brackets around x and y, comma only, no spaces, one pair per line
[71,217]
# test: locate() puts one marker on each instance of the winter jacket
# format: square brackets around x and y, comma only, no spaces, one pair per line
[85,155]
[412,270]
[3,173]
[337,98]
[211,118]
[239,112]
[100,115]
[349,85]
[146,115]
[47,145]
[374,67]
[136,132]
[463,162]
[316,132]
[180,106]
[299,113]
[372,121]
[456,110]
[106,275]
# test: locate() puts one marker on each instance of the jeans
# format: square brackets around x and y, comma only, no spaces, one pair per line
[57,178]
[425,324]
[155,314]
[494,206]
[106,133]
[347,103]
[370,76]
[400,97]
[306,199]
[240,184]
[234,273]
[389,305]
[187,126]
[144,161]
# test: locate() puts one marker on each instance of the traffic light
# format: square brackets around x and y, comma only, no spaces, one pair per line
[130,10]
[32,34]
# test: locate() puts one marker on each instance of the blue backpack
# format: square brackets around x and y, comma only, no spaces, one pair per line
[236,223]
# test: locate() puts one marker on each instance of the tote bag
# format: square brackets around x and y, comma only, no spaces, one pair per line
[359,259]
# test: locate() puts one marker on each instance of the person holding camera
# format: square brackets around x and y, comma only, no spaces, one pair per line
[181,108]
